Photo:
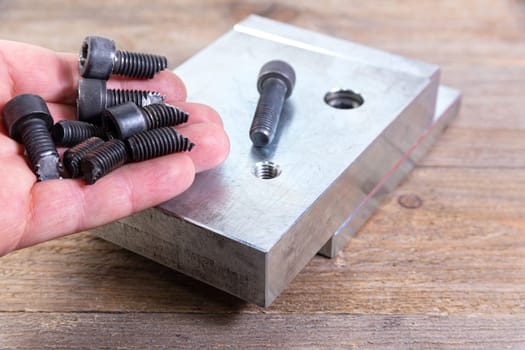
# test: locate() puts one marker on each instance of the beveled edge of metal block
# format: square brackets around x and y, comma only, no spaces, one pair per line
[341,48]
[447,107]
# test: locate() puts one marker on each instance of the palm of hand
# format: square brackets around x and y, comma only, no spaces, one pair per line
[33,211]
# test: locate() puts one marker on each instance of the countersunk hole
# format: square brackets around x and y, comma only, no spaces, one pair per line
[343,99]
[266,170]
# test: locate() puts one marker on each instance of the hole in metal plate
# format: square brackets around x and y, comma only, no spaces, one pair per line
[266,170]
[343,99]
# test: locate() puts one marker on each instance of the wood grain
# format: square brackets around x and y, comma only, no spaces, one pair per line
[298,331]
[447,274]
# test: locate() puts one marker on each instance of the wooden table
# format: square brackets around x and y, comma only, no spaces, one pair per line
[447,274]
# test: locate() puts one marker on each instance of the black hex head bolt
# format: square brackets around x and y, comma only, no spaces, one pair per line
[99,58]
[275,84]
[102,160]
[127,119]
[74,155]
[94,97]
[28,121]
[156,143]
[68,133]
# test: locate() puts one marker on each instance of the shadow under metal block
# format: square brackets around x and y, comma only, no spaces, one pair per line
[251,225]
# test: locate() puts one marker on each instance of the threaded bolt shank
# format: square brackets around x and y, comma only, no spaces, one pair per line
[102,160]
[68,133]
[138,65]
[156,143]
[73,155]
[160,115]
[139,97]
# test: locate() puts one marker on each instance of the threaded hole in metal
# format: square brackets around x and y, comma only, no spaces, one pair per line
[266,170]
[343,99]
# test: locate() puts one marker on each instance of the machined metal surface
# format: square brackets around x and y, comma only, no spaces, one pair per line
[249,226]
[447,107]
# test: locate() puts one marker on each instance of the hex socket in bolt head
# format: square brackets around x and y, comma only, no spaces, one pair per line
[97,56]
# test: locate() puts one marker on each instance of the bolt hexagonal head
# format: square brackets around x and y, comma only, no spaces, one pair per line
[97,56]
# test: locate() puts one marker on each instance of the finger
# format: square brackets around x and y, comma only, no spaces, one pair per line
[61,111]
[61,207]
[8,146]
[211,144]
[199,113]
[26,68]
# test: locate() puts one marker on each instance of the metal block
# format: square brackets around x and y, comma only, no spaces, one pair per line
[250,236]
[447,108]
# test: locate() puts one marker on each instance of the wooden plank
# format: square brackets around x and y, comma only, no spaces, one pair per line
[478,148]
[462,250]
[190,331]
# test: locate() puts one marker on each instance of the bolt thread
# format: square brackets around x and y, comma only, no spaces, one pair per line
[265,118]
[139,97]
[138,65]
[268,112]
[40,149]
[161,115]
[69,133]
[102,160]
[73,155]
[156,143]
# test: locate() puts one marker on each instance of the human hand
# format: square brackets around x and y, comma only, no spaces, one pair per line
[33,212]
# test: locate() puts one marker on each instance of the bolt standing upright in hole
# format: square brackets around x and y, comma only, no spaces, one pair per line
[275,84]
[99,58]
[28,121]
[94,97]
